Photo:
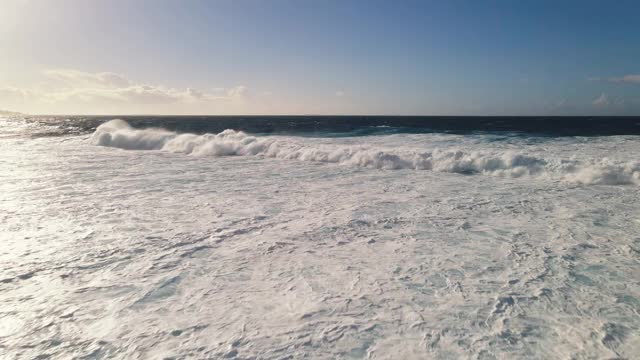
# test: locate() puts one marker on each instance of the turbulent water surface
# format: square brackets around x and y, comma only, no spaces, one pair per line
[141,239]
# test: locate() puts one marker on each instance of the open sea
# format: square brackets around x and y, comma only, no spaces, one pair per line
[348,237]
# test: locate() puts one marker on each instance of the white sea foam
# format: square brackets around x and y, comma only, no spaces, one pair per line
[117,133]
[607,172]
[110,253]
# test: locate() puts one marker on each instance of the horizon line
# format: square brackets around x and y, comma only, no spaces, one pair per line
[310,115]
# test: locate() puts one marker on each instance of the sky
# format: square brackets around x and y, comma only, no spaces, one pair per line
[400,57]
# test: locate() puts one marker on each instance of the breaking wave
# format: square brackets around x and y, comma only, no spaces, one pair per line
[118,133]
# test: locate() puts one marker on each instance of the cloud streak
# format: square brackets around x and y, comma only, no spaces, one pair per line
[601,101]
[73,86]
[85,79]
[14,93]
[84,86]
[625,79]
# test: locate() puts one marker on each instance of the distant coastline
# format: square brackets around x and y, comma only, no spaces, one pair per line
[10,113]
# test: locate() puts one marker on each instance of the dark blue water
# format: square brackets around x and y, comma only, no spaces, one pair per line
[366,125]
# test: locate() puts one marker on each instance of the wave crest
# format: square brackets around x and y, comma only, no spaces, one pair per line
[117,133]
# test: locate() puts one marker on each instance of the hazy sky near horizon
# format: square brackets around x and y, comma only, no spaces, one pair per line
[320,57]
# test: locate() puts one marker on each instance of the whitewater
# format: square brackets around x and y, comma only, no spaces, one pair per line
[143,242]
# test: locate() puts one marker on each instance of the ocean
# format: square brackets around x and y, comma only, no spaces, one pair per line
[362,237]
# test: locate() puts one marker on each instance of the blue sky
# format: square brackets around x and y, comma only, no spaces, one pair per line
[321,57]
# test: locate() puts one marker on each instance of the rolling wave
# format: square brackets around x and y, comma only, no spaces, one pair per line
[119,134]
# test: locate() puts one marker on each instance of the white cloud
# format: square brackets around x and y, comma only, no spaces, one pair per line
[14,93]
[77,78]
[137,94]
[625,79]
[601,101]
[339,93]
[237,91]
[102,89]
[632,79]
